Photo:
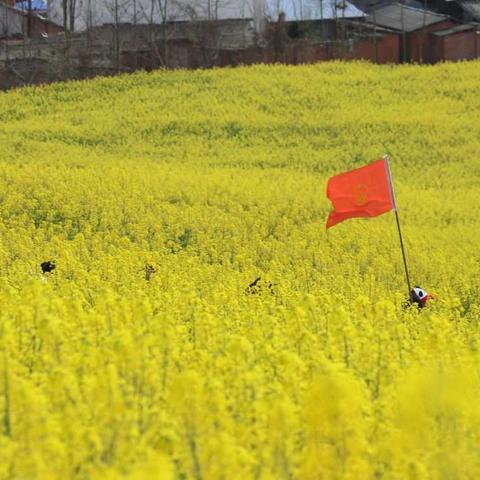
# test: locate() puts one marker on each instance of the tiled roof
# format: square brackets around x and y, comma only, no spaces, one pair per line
[320,10]
[403,17]
[457,29]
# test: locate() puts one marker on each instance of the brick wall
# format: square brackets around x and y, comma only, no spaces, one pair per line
[385,50]
[455,47]
[418,43]
[40,26]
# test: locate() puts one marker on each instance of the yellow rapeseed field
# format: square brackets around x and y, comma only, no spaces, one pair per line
[160,197]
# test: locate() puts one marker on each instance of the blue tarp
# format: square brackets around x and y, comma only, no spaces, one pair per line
[37,5]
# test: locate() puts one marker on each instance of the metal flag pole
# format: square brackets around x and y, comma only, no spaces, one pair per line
[392,192]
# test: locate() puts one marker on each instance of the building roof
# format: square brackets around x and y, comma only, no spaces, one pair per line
[403,17]
[471,7]
[367,5]
[365,25]
[321,10]
[456,29]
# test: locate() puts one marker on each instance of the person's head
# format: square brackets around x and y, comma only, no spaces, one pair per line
[47,267]
[419,296]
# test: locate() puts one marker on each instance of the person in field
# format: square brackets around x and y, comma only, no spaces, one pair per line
[419,297]
[47,267]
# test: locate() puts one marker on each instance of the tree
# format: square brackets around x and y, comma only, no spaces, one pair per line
[424,26]
[69,14]
[119,12]
[29,18]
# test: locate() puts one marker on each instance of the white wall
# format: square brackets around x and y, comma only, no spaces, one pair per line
[11,23]
[99,12]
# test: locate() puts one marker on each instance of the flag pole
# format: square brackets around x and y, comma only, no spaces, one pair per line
[392,192]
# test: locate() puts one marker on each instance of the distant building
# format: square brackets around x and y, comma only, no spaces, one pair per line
[367,5]
[16,23]
[461,42]
[93,13]
[404,18]
[11,22]
[304,10]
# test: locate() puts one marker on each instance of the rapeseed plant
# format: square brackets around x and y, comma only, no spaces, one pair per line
[160,198]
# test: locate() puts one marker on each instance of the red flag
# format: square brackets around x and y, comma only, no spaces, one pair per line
[363,192]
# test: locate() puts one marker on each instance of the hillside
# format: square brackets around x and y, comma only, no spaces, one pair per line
[160,197]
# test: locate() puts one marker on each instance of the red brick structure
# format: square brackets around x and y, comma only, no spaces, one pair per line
[418,43]
[385,50]
[42,27]
[461,42]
